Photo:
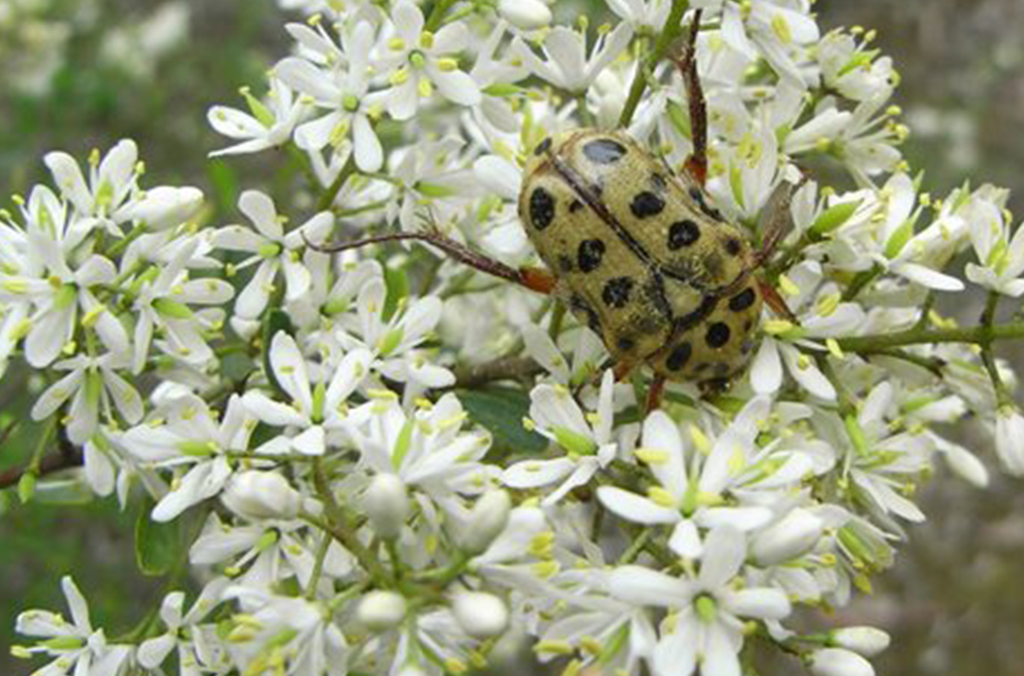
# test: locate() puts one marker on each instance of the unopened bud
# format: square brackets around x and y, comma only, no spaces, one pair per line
[839,662]
[262,495]
[166,207]
[381,610]
[386,505]
[481,615]
[525,14]
[487,519]
[793,535]
[866,641]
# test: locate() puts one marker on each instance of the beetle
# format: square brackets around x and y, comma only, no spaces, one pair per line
[637,252]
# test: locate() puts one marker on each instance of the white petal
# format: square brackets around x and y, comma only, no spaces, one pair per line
[536,473]
[685,540]
[369,152]
[643,586]
[768,604]
[259,209]
[289,366]
[724,551]
[634,507]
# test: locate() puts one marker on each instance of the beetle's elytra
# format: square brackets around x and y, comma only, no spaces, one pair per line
[641,256]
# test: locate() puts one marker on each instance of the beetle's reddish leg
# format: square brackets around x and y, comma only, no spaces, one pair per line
[655,392]
[535,279]
[775,300]
[697,163]
[622,370]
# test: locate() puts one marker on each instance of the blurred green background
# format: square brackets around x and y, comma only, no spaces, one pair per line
[79,74]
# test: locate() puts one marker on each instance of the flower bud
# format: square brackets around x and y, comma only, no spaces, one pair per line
[381,610]
[261,495]
[866,641]
[839,662]
[487,519]
[481,615]
[791,536]
[386,505]
[166,207]
[525,14]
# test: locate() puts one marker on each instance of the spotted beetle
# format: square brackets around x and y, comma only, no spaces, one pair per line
[637,251]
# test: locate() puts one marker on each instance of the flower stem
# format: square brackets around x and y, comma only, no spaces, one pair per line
[673,29]
[327,198]
[919,336]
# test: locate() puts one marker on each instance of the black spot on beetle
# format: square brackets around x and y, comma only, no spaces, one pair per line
[581,307]
[625,344]
[742,300]
[683,233]
[717,335]
[713,386]
[589,254]
[679,356]
[646,204]
[575,206]
[604,151]
[542,208]
[616,291]
[543,147]
[564,263]
[747,325]
[698,196]
[732,246]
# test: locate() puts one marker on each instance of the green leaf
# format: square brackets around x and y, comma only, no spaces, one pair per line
[63,491]
[156,544]
[501,410]
[224,179]
[397,283]
[834,216]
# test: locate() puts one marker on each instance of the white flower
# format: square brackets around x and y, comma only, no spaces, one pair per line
[651,14]
[152,652]
[481,615]
[381,610]
[190,437]
[163,304]
[839,662]
[866,641]
[707,628]
[315,411]
[1000,257]
[587,440]
[486,521]
[92,385]
[257,495]
[565,62]
[416,60]
[1010,439]
[525,14]
[111,184]
[272,249]
[721,483]
[426,449]
[344,92]
[386,504]
[73,645]
[267,126]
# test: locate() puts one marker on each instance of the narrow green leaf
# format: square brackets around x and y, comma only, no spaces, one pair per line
[156,544]
[500,410]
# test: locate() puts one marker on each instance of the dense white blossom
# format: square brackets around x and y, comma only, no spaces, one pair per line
[388,462]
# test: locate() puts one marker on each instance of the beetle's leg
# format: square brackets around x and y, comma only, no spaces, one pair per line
[780,221]
[535,279]
[697,163]
[775,300]
[622,370]
[655,392]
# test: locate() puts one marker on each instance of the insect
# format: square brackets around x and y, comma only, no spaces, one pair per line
[637,252]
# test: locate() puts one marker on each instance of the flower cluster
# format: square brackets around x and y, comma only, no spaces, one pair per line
[369,500]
